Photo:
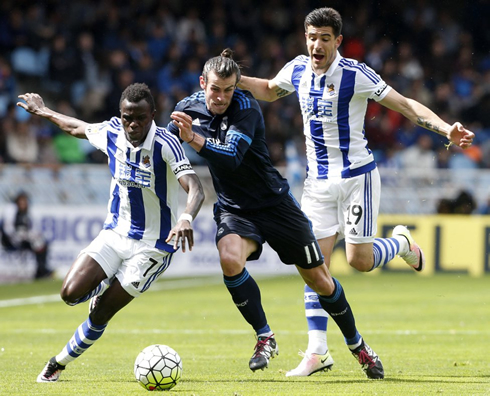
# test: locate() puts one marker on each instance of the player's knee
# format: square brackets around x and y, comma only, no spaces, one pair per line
[322,285]
[68,295]
[230,264]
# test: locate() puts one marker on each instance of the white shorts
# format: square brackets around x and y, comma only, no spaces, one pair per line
[134,263]
[348,207]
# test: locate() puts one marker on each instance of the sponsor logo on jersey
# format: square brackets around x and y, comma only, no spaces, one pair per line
[196,121]
[130,183]
[181,168]
[331,88]
[215,141]
[139,178]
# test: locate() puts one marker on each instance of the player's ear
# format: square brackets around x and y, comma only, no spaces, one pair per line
[338,41]
[202,83]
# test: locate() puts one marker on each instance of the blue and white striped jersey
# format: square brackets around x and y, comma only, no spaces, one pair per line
[333,106]
[144,188]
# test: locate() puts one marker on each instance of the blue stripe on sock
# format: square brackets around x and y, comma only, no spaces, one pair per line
[335,297]
[396,248]
[313,305]
[384,250]
[80,343]
[354,340]
[264,329]
[90,332]
[89,328]
[237,282]
[317,322]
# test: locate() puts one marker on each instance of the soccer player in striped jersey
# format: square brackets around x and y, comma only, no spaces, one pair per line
[226,127]
[136,244]
[342,187]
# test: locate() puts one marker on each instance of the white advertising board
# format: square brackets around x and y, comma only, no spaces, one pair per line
[70,228]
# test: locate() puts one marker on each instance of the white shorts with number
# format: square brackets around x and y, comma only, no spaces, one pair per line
[348,207]
[134,263]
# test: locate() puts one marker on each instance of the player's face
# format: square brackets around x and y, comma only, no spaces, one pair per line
[322,46]
[136,119]
[218,92]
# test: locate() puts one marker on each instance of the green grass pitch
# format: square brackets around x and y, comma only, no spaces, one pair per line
[431,333]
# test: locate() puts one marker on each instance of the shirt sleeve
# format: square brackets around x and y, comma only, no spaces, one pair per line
[370,84]
[174,155]
[238,139]
[284,78]
[97,133]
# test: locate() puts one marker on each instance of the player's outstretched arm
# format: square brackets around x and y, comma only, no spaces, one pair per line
[34,104]
[183,232]
[426,118]
[262,89]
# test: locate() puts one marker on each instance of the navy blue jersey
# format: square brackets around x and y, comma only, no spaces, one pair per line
[236,152]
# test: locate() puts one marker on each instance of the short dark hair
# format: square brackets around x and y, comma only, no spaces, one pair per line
[137,92]
[223,65]
[322,17]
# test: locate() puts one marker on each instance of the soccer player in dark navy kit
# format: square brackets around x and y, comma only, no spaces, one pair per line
[226,127]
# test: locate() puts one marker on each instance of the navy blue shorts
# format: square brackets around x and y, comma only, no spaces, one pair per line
[284,227]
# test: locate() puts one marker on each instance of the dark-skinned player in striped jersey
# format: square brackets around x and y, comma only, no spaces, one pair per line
[254,205]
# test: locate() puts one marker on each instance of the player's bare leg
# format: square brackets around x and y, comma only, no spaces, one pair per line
[82,280]
[112,301]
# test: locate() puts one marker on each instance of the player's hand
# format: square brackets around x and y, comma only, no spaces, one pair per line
[460,136]
[184,122]
[33,102]
[182,232]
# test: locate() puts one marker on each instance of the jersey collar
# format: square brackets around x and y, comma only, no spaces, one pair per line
[334,65]
[150,137]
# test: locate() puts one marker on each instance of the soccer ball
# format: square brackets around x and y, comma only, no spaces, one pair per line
[158,367]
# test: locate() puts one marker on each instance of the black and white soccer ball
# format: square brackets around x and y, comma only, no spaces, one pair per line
[158,368]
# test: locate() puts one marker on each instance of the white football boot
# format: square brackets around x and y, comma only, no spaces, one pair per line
[311,364]
[415,256]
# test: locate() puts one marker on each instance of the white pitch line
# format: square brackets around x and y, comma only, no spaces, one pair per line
[15,302]
[161,285]
[244,331]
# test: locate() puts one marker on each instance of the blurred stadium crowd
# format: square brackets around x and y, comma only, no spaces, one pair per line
[81,54]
